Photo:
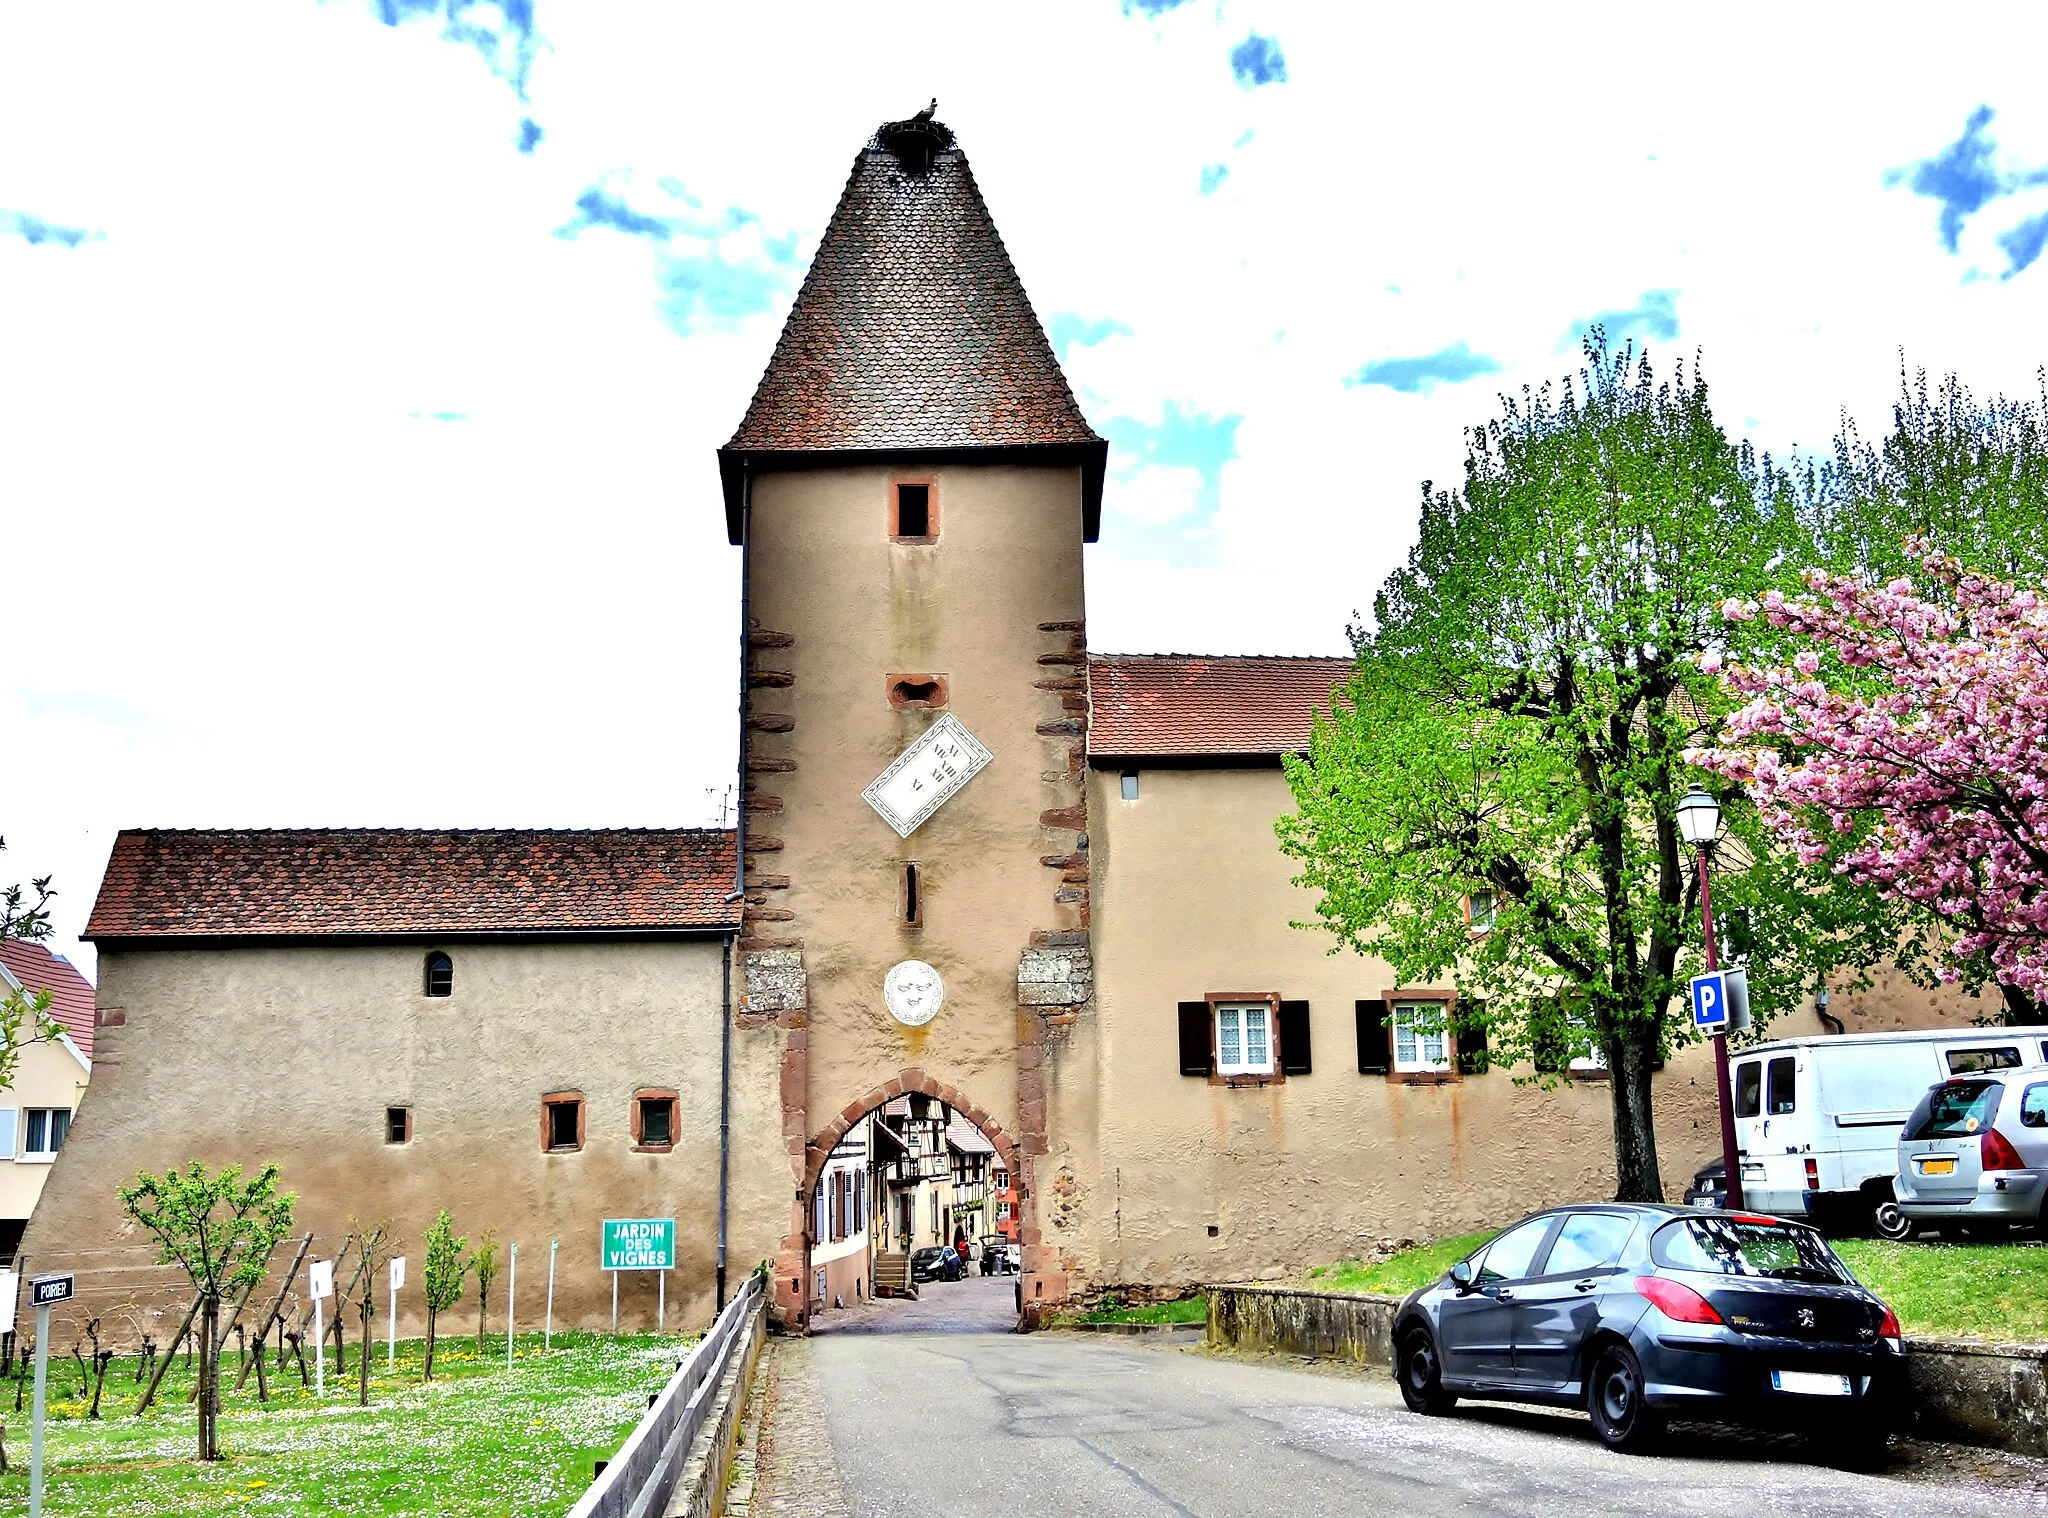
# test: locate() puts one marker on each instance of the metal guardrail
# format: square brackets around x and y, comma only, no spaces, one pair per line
[640,1478]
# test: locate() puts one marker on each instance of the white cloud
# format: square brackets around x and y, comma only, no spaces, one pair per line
[1155,495]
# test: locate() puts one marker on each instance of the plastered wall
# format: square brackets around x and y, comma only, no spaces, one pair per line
[1198,1182]
[292,1055]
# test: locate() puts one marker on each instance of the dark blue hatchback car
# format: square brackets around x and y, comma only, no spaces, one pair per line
[1639,1313]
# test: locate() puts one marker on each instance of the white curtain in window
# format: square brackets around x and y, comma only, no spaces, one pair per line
[1255,1038]
[1229,1045]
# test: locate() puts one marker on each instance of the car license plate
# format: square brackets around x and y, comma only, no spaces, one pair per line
[1706,1201]
[1937,1167]
[1809,1383]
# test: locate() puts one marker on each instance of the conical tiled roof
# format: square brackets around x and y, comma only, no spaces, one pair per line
[912,331]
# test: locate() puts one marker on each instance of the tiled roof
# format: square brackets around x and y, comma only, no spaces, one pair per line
[965,1137]
[380,882]
[911,331]
[1189,704]
[71,995]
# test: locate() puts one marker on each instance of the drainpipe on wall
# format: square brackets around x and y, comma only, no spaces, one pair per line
[739,892]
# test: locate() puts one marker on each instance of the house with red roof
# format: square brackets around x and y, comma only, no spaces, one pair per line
[50,1077]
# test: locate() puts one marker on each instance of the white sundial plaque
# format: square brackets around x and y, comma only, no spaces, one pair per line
[926,775]
[914,993]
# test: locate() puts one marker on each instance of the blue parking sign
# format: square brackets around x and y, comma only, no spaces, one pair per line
[1710,1002]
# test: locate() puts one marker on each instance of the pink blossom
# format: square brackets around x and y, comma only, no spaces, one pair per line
[1806,661]
[1710,662]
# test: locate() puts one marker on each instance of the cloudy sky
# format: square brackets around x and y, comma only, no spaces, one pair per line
[361,362]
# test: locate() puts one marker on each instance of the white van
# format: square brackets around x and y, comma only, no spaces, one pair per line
[1817,1119]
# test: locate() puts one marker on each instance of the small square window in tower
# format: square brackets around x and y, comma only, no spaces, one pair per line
[397,1125]
[654,1119]
[913,517]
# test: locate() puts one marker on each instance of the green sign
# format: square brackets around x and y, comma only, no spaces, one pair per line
[639,1244]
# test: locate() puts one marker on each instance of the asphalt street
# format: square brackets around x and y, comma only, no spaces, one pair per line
[933,1408]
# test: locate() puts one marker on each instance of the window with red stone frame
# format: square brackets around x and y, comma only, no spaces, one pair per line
[561,1122]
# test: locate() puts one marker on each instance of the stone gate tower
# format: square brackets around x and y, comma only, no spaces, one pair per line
[911,488]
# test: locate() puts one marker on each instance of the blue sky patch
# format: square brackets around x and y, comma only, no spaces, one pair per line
[1654,318]
[530,135]
[498,31]
[1066,329]
[2023,244]
[598,207]
[1258,60]
[1152,7]
[1182,438]
[1423,373]
[33,229]
[1213,174]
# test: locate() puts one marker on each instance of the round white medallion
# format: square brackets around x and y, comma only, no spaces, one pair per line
[914,992]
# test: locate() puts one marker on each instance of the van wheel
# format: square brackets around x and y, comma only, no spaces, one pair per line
[1421,1376]
[1888,1222]
[1615,1396]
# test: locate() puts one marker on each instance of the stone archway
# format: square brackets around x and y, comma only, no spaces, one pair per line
[793,1264]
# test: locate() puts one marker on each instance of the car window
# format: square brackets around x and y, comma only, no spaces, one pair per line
[1970,1061]
[1749,1088]
[1955,1109]
[1741,1245]
[1781,1093]
[1507,1257]
[2034,1107]
[1588,1241]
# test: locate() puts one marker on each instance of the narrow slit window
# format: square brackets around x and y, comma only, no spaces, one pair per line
[1130,785]
[397,1125]
[913,898]
[440,974]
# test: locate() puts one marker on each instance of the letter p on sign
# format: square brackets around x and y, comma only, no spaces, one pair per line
[1710,1002]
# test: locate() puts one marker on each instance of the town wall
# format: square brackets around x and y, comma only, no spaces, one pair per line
[254,1055]
[992,608]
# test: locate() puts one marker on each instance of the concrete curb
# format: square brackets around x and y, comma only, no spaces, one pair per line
[1994,1395]
[1190,1330]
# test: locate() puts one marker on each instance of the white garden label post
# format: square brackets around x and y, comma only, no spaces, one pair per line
[391,1336]
[321,1278]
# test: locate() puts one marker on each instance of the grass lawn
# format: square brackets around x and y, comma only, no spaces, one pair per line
[1187,1310]
[477,1441]
[1981,1291]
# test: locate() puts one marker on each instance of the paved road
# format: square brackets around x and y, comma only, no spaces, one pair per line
[943,1414]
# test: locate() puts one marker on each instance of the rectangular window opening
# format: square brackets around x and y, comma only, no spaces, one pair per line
[657,1120]
[1244,1041]
[1130,782]
[1422,1039]
[563,1120]
[914,513]
[397,1125]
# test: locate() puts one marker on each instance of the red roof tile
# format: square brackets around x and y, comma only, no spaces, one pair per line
[71,995]
[351,883]
[1188,704]
[911,331]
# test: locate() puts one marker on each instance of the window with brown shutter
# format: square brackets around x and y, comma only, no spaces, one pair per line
[1197,1033]
[1294,1039]
[1374,1057]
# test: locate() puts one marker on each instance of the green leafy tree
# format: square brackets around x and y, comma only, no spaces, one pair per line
[1965,476]
[1514,734]
[374,1240]
[220,1229]
[19,916]
[441,1279]
[485,1265]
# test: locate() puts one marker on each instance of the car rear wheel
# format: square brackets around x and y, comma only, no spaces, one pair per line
[1888,1222]
[1422,1377]
[1622,1416]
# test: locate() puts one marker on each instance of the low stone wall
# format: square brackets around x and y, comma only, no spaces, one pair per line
[1988,1394]
[700,1492]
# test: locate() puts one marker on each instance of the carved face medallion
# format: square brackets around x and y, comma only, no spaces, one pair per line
[914,993]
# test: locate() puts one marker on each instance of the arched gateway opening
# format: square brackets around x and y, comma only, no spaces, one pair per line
[910,1191]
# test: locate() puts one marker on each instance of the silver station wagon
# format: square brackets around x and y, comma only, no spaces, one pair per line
[1973,1157]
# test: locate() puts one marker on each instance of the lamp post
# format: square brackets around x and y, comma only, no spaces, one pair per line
[1699,824]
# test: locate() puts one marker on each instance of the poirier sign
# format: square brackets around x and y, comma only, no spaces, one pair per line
[639,1244]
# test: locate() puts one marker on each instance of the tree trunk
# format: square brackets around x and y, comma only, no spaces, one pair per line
[432,1313]
[363,1354]
[483,1302]
[1636,1177]
[208,1386]
[2021,1010]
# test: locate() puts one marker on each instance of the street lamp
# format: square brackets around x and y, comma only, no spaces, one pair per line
[1699,824]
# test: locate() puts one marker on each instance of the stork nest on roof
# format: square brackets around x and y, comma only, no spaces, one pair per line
[916,141]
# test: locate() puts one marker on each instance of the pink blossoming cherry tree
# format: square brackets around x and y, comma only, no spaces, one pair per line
[1907,748]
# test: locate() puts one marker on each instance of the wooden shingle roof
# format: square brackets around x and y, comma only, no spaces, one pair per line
[367,883]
